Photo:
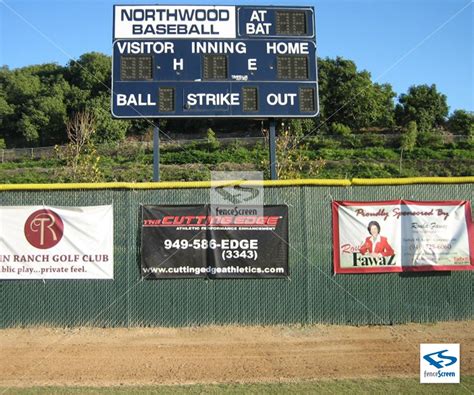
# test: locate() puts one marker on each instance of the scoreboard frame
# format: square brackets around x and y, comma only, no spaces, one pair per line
[177,66]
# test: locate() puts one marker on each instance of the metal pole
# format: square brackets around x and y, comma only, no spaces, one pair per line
[273,159]
[156,154]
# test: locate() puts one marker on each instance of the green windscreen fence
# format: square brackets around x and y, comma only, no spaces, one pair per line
[311,294]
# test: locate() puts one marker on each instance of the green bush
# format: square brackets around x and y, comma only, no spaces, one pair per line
[373,140]
[431,139]
[377,153]
[334,154]
[425,153]
[461,154]
[212,141]
[339,129]
[409,136]
[323,142]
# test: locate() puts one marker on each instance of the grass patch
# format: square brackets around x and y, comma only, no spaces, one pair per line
[393,385]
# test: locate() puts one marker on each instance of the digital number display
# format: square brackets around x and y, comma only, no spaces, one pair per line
[249,99]
[307,100]
[292,67]
[214,67]
[291,23]
[136,68]
[166,99]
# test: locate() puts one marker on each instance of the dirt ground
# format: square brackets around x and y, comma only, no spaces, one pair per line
[229,354]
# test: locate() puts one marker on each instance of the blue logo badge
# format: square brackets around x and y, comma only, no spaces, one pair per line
[442,360]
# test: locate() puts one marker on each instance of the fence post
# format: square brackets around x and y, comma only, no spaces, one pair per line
[272,147]
[156,153]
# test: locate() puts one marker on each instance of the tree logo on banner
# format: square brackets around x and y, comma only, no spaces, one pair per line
[44,229]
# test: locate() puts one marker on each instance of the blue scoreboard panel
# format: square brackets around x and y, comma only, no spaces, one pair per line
[214,61]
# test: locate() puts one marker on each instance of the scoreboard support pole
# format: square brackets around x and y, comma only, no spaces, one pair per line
[156,153]
[272,147]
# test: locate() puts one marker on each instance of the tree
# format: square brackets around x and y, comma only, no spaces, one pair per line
[36,101]
[461,122]
[91,73]
[80,154]
[292,154]
[349,97]
[107,128]
[32,104]
[292,159]
[6,109]
[424,105]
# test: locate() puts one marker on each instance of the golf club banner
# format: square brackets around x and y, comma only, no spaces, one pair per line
[402,235]
[187,241]
[38,242]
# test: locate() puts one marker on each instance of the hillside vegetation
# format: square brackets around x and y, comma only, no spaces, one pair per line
[322,157]
[364,130]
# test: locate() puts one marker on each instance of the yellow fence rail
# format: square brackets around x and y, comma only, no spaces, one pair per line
[266,183]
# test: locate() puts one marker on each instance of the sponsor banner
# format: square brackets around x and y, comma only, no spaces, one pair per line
[189,242]
[38,242]
[178,21]
[402,235]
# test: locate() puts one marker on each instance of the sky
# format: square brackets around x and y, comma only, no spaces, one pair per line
[401,42]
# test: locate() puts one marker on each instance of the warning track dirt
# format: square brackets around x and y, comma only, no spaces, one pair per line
[143,356]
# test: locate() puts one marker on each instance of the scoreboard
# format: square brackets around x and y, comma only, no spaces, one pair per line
[214,61]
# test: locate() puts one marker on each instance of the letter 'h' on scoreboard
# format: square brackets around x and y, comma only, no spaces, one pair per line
[214,61]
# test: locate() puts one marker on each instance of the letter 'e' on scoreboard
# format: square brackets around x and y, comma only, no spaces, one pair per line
[214,61]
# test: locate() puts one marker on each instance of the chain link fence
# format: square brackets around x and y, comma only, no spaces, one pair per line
[312,294]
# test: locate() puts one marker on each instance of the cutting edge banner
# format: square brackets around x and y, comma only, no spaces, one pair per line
[186,241]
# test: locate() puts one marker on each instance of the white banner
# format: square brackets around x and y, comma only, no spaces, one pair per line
[401,235]
[38,242]
[181,21]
